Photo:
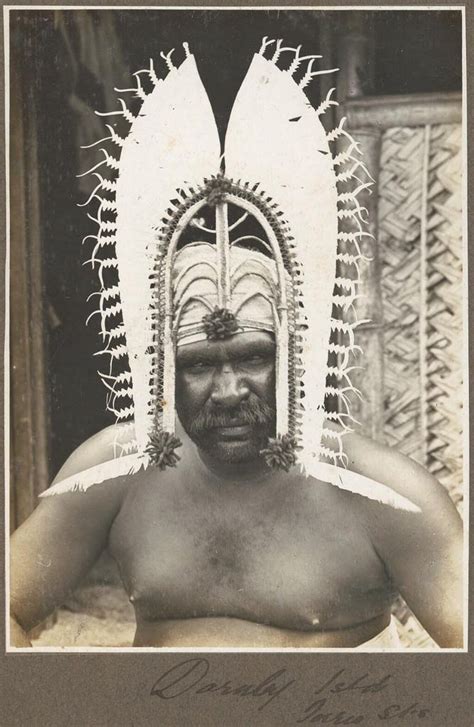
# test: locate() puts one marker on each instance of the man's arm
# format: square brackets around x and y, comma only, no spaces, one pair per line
[56,546]
[422,552]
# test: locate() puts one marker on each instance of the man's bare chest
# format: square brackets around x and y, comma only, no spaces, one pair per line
[275,560]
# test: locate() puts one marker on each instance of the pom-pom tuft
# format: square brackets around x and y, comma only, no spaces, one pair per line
[280,452]
[217,188]
[221,323]
[161,449]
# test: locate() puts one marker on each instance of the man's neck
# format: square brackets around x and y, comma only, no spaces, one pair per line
[247,471]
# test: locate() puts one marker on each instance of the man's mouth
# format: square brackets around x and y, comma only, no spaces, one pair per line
[250,422]
[234,431]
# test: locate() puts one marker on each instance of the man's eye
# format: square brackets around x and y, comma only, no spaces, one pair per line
[198,368]
[254,361]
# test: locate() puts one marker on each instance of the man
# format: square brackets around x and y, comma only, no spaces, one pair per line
[253,535]
[223,550]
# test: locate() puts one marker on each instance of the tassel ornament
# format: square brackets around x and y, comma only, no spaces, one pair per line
[219,324]
[161,449]
[280,452]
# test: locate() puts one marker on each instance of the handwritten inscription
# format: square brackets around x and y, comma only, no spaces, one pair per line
[317,711]
[326,703]
[190,676]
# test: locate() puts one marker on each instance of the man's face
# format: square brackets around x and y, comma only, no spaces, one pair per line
[225,394]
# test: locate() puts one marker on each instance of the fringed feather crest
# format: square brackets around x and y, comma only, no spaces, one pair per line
[277,157]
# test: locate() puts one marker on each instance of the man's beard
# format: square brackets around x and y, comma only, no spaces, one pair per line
[254,411]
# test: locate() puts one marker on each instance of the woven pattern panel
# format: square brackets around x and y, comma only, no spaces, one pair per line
[399,221]
[420,233]
[444,310]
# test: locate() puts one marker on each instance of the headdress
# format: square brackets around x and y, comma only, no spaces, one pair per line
[267,209]
[204,311]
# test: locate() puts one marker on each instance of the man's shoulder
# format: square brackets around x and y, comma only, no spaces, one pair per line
[393,469]
[101,447]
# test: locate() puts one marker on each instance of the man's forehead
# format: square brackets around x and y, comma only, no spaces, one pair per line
[240,344]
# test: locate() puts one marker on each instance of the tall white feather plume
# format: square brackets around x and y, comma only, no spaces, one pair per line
[275,138]
[172,143]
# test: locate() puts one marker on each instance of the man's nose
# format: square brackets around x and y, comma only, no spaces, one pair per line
[229,389]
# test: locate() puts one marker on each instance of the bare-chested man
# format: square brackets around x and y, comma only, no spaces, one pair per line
[217,555]
[226,283]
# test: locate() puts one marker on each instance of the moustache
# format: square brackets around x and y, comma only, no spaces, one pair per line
[252,411]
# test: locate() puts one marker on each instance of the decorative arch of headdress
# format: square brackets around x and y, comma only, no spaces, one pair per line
[278,166]
[220,192]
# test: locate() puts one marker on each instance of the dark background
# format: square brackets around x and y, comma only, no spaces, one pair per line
[413,52]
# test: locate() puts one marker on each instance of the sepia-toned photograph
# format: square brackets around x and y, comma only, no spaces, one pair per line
[237,330]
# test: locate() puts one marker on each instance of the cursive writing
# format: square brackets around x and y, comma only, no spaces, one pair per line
[326,709]
[191,675]
[316,712]
[359,684]
[328,703]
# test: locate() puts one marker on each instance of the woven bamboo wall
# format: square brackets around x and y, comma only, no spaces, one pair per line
[411,378]
[420,249]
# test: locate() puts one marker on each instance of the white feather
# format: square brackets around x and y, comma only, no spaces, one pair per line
[172,142]
[360,485]
[275,137]
[80,482]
